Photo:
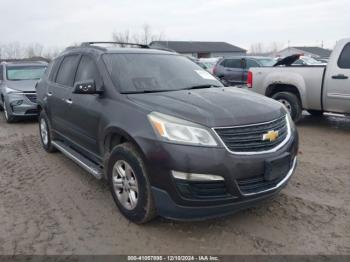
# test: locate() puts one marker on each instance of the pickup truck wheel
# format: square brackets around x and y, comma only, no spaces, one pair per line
[45,133]
[315,112]
[291,102]
[129,184]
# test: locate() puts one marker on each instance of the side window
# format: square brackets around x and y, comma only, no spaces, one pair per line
[299,62]
[66,73]
[233,63]
[251,63]
[1,73]
[344,59]
[55,65]
[87,70]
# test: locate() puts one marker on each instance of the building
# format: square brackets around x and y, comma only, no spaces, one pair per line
[312,51]
[201,49]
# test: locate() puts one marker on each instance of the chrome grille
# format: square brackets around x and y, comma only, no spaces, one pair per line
[249,138]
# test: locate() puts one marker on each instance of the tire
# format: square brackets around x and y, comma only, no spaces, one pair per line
[292,103]
[45,133]
[132,194]
[315,112]
[8,117]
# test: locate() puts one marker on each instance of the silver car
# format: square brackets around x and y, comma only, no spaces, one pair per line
[17,89]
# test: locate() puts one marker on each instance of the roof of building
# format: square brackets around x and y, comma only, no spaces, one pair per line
[322,52]
[198,46]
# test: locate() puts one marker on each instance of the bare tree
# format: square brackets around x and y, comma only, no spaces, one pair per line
[144,37]
[34,50]
[266,50]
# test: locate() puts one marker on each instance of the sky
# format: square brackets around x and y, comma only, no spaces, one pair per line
[242,23]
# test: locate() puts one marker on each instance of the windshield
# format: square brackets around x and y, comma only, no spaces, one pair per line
[267,61]
[17,73]
[137,73]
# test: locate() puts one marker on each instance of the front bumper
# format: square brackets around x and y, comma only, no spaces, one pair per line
[167,207]
[238,171]
[22,104]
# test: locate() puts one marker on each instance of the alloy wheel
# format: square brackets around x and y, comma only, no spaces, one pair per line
[44,132]
[125,184]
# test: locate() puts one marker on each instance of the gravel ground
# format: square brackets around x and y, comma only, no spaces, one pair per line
[49,205]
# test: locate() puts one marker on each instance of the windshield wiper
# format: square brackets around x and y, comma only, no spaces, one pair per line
[200,87]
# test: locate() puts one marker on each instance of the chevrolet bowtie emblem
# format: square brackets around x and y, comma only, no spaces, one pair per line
[271,136]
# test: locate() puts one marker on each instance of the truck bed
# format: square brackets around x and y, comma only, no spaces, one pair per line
[309,78]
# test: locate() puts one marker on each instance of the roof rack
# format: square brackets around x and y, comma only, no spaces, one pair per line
[87,44]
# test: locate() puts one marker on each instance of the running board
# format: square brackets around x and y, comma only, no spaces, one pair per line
[82,161]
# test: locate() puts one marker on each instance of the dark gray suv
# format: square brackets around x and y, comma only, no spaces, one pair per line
[165,134]
[17,89]
[234,70]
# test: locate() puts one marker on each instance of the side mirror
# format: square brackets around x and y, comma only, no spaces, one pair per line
[86,87]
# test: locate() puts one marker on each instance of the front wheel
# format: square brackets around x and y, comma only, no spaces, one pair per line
[129,184]
[8,116]
[45,133]
[291,102]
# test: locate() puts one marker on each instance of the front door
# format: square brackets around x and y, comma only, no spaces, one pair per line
[85,109]
[336,96]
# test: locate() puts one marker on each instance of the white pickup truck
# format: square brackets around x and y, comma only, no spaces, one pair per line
[316,89]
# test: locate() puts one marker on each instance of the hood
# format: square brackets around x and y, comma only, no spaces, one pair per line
[22,85]
[288,60]
[213,107]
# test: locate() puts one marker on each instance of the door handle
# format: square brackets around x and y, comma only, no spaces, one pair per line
[340,76]
[69,101]
[49,93]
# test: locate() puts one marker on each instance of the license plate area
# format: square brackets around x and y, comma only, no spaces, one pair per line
[277,167]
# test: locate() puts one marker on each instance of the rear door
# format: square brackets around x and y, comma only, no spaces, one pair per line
[233,70]
[337,83]
[58,93]
[84,110]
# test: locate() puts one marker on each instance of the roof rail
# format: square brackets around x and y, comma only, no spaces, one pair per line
[87,44]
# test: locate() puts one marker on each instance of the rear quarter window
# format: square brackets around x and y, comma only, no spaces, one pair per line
[344,59]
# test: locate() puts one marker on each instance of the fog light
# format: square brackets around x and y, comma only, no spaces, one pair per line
[16,103]
[196,177]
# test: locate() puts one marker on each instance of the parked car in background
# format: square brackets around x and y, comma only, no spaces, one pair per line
[197,61]
[17,88]
[234,70]
[308,61]
[165,134]
[316,88]
[210,63]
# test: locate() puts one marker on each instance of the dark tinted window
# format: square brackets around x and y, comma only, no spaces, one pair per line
[233,63]
[344,59]
[1,73]
[252,63]
[55,65]
[66,73]
[87,70]
[155,72]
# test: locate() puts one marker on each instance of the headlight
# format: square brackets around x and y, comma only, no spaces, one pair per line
[10,90]
[176,130]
